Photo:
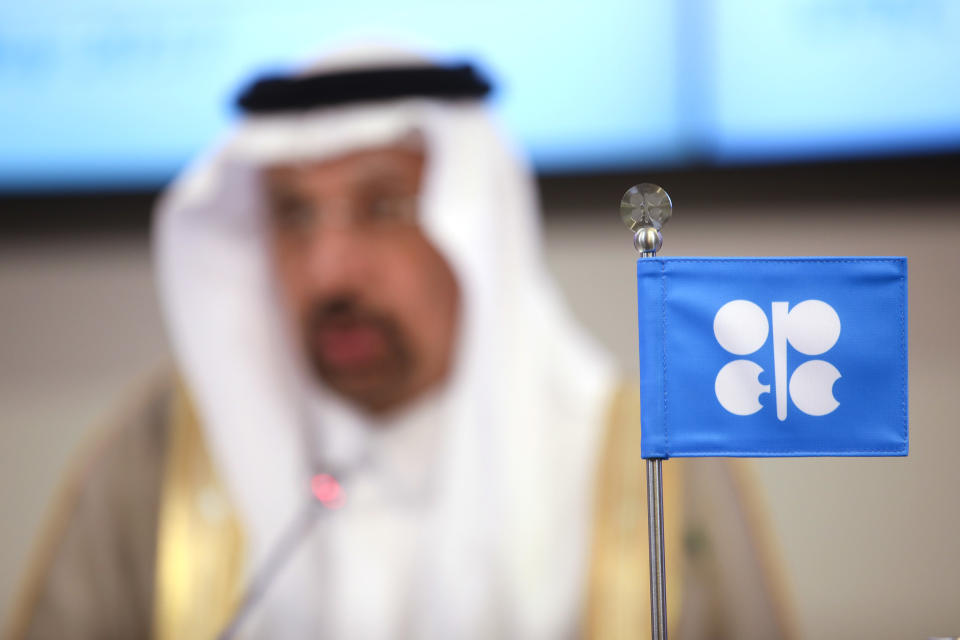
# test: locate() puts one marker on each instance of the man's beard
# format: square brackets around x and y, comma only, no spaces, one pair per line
[356,350]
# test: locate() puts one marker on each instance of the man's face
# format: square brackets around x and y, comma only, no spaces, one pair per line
[372,302]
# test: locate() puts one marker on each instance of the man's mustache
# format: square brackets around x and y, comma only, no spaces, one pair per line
[346,311]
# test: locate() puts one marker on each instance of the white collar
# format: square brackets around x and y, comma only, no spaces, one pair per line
[387,459]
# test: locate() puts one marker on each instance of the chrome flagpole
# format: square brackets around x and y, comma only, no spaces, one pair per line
[644,209]
[658,577]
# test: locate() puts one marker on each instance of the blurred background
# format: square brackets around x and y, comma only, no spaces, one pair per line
[793,127]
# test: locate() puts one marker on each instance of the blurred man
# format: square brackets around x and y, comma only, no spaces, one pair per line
[386,423]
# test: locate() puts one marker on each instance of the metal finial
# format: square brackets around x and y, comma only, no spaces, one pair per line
[644,209]
[645,205]
[647,240]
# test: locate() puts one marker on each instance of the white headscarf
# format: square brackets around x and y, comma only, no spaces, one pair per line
[521,415]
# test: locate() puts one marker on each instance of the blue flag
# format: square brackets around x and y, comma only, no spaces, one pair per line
[773,356]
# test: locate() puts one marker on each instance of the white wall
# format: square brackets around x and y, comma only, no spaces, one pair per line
[870,548]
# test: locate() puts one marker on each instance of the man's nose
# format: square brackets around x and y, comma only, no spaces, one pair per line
[339,258]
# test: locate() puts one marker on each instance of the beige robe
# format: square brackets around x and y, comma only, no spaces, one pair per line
[146,545]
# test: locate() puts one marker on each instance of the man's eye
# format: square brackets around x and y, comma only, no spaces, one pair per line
[292,213]
[390,209]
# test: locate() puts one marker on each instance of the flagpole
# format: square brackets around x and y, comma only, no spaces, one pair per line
[648,240]
[645,208]
[658,577]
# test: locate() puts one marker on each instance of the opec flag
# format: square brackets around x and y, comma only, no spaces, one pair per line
[773,356]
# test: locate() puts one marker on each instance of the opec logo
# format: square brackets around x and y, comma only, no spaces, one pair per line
[811,327]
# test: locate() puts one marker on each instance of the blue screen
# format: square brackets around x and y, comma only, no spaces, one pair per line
[111,94]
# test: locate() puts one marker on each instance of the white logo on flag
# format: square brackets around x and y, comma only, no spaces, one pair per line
[811,327]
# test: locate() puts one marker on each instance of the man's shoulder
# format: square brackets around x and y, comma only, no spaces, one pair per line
[121,460]
[127,453]
[92,571]
[139,427]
